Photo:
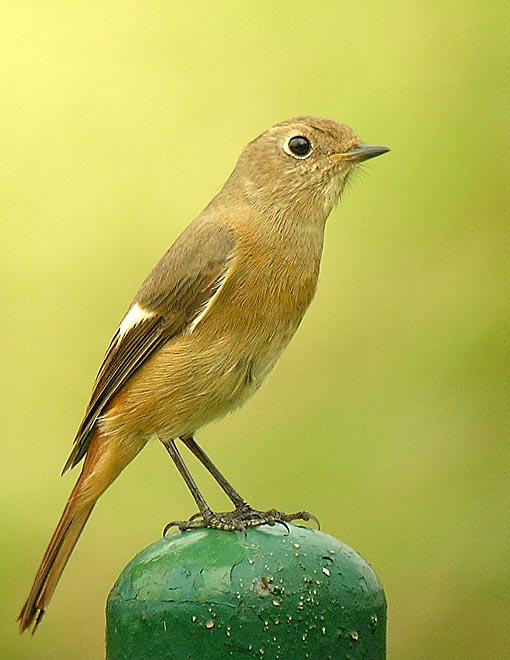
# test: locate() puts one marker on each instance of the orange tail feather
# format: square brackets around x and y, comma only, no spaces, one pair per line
[54,561]
[105,459]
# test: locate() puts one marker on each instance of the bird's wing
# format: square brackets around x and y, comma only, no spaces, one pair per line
[173,299]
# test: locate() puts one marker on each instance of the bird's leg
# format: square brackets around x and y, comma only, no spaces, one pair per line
[203,507]
[243,516]
[232,494]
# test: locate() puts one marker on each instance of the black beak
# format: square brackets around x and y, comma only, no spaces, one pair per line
[363,152]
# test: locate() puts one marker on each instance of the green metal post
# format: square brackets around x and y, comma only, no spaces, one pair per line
[269,593]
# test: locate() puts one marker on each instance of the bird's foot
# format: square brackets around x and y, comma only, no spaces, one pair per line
[240,519]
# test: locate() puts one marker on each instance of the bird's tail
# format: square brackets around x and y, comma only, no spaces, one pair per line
[54,561]
[104,461]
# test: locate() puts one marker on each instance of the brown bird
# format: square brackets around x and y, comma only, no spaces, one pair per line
[208,325]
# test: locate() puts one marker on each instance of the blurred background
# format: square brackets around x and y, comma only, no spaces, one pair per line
[388,415]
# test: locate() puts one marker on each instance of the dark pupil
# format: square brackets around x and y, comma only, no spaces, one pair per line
[300,146]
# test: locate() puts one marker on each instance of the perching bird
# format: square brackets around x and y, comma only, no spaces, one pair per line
[208,325]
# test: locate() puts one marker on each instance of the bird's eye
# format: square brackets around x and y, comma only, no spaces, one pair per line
[299,146]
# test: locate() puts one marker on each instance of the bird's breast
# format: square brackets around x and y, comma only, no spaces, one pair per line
[203,375]
[257,316]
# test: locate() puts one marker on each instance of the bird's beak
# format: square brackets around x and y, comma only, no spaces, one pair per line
[361,152]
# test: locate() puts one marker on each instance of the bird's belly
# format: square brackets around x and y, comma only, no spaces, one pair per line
[186,386]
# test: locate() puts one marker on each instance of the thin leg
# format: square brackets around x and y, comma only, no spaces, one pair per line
[241,518]
[203,507]
[236,499]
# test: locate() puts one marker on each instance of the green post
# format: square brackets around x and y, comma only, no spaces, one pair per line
[271,594]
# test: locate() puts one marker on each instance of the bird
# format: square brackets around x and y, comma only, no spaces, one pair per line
[208,325]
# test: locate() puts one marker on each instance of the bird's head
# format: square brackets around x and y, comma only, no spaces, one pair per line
[301,166]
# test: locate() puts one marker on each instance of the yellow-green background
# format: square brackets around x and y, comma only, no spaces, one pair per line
[388,414]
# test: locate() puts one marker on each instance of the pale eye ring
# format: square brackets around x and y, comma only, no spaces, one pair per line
[298,146]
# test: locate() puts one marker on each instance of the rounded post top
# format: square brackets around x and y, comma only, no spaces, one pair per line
[272,592]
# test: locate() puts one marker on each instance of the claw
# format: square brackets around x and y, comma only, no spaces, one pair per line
[240,520]
[195,516]
[174,523]
[286,525]
[302,515]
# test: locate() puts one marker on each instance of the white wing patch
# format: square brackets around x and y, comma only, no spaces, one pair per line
[205,308]
[135,315]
